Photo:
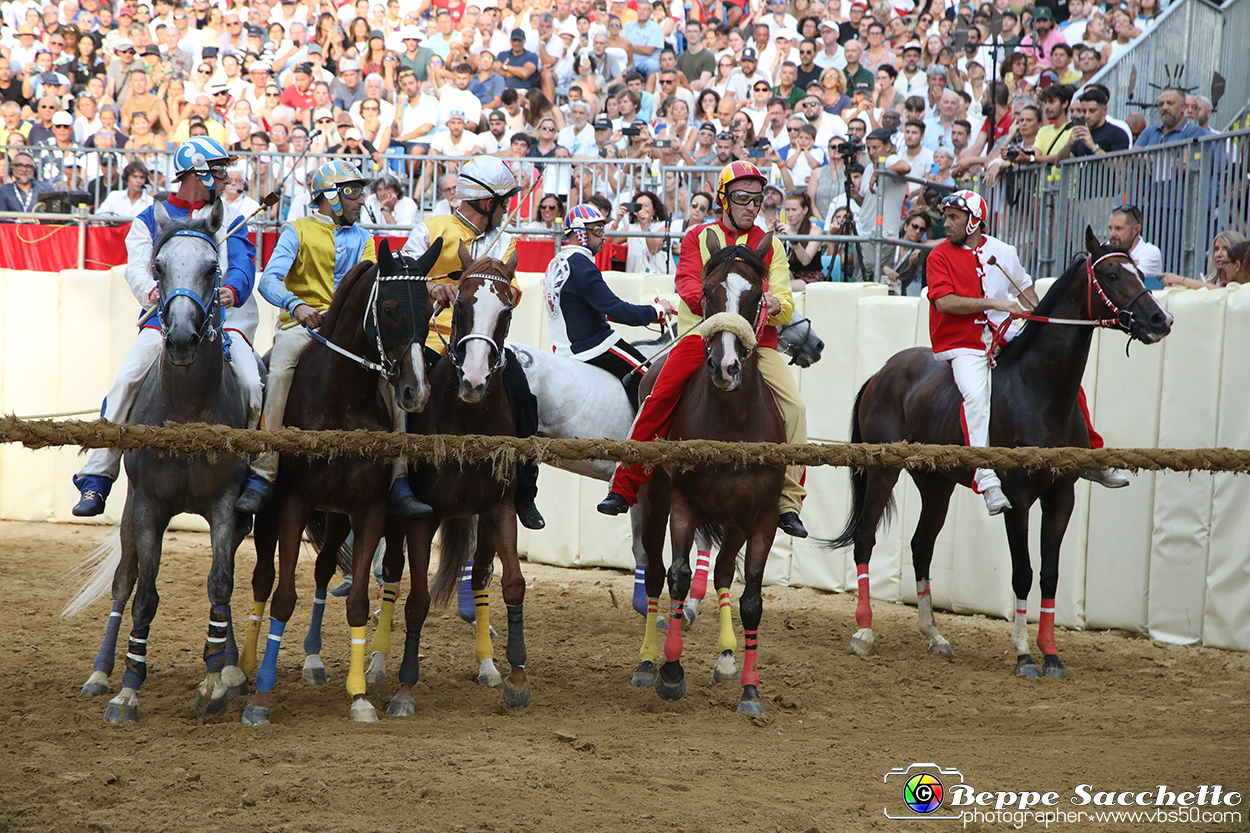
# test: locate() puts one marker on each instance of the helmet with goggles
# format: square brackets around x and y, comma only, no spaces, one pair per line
[486,178]
[579,219]
[205,156]
[335,179]
[971,202]
[733,172]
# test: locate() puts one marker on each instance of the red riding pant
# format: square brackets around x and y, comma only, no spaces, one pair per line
[1095,439]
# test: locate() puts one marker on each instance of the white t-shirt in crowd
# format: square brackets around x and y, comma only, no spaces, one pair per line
[1147,257]
[444,145]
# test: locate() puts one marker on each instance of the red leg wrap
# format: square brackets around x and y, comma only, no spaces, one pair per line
[672,644]
[1046,627]
[750,673]
[698,586]
[863,607]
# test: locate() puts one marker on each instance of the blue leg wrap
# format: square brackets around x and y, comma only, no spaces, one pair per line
[640,590]
[312,642]
[108,648]
[465,604]
[268,673]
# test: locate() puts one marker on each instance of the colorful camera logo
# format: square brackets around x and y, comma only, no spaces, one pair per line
[923,793]
[923,789]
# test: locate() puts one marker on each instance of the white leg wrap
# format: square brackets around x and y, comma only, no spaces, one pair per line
[376,672]
[488,674]
[1020,629]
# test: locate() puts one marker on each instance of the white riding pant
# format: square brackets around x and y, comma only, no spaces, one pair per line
[143,354]
[972,377]
[289,344]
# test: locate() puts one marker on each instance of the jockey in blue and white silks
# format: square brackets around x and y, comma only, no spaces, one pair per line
[579,304]
[200,170]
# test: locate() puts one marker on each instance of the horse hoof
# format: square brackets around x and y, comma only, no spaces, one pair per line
[211,706]
[376,672]
[861,643]
[514,699]
[255,716]
[942,647]
[236,681]
[401,708]
[661,624]
[488,674]
[315,676]
[750,702]
[1054,668]
[116,713]
[363,712]
[691,611]
[671,683]
[644,675]
[725,669]
[97,684]
[1026,667]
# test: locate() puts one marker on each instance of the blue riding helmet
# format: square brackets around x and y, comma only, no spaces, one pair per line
[196,154]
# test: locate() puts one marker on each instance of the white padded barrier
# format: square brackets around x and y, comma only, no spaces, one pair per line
[1168,555]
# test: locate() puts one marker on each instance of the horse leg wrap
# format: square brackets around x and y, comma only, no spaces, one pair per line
[249,661]
[410,668]
[640,590]
[482,649]
[1020,628]
[312,640]
[108,648]
[750,674]
[1046,628]
[464,596]
[702,563]
[356,673]
[673,644]
[516,636]
[215,644]
[924,608]
[232,648]
[382,636]
[136,659]
[728,642]
[863,607]
[268,673]
[650,648]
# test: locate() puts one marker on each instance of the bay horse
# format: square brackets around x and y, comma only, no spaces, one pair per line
[378,319]
[1036,384]
[190,382]
[471,502]
[732,402]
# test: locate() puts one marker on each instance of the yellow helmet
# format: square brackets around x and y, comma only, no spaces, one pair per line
[734,171]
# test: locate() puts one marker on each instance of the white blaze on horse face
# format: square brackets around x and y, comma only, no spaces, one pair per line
[487,307]
[417,353]
[735,287]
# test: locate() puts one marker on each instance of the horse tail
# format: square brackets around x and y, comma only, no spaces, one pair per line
[859,487]
[714,534]
[316,530]
[96,573]
[457,547]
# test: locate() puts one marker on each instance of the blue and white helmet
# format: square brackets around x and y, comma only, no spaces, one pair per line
[196,154]
[330,177]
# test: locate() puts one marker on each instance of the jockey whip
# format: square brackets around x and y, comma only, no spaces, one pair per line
[511,216]
[642,368]
[1020,297]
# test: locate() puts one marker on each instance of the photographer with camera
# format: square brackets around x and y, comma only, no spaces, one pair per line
[644,254]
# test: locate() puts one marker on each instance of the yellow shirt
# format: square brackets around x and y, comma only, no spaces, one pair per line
[453,231]
[312,275]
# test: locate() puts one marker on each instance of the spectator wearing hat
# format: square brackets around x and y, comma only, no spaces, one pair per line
[299,95]
[518,65]
[25,190]
[347,90]
[1043,38]
[58,164]
[495,137]
[416,55]
[120,68]
[260,76]
[455,141]
[911,78]
[23,52]
[742,80]
[142,98]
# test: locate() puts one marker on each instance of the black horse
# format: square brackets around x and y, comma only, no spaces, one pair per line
[1035,388]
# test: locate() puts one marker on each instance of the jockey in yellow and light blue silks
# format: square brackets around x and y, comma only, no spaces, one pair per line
[485,187]
[312,256]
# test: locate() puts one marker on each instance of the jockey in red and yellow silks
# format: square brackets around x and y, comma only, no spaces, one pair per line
[739,192]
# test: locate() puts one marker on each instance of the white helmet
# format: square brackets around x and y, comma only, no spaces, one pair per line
[484,178]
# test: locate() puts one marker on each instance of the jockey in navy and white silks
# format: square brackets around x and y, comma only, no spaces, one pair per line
[579,304]
[200,170]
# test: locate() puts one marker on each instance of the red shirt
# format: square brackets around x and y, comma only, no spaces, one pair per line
[953,270]
[297,101]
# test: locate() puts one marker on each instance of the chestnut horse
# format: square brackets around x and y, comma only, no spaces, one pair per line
[469,501]
[1036,384]
[737,505]
[378,318]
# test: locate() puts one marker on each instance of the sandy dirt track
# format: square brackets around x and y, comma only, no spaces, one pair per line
[591,753]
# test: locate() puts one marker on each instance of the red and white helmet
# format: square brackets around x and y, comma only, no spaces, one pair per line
[971,202]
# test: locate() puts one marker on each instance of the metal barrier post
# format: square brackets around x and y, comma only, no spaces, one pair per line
[80,217]
[878,231]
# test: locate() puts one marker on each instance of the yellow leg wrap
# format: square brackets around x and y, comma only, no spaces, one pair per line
[356,675]
[248,663]
[650,643]
[728,642]
[482,648]
[382,636]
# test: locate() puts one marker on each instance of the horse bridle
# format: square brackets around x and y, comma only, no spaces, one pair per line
[210,308]
[453,351]
[1124,317]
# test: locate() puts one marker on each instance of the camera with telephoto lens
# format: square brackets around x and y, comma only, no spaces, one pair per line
[1015,149]
[850,149]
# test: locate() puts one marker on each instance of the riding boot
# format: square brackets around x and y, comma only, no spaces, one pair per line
[95,490]
[525,415]
[256,493]
[402,503]
[791,524]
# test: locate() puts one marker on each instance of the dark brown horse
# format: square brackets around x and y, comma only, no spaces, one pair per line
[729,402]
[333,391]
[469,501]
[1035,388]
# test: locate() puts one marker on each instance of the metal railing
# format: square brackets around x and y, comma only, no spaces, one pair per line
[1198,35]
[1188,192]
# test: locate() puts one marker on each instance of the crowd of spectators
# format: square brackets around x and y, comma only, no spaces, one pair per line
[812,92]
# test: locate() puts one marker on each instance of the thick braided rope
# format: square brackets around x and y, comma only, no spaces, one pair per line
[504,452]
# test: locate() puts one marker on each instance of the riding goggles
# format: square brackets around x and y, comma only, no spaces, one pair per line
[746,198]
[352,192]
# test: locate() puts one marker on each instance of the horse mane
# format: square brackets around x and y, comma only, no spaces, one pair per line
[1021,344]
[346,287]
[732,253]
